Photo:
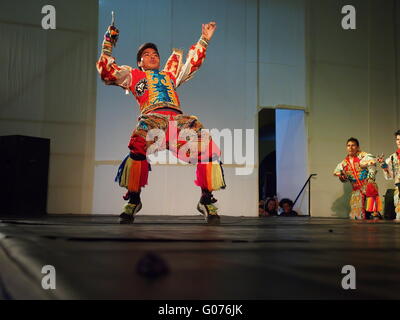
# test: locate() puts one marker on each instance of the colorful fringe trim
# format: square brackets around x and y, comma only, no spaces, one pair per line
[373,204]
[133,174]
[210,176]
[120,170]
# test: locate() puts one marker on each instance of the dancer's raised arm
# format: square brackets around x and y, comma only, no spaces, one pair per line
[196,55]
[109,71]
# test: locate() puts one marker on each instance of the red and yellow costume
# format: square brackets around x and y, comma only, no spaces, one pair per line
[155,93]
[360,171]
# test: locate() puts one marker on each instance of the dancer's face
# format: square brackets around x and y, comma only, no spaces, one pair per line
[150,60]
[352,148]
[398,141]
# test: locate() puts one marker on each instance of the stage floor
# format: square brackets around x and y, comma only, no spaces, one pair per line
[169,257]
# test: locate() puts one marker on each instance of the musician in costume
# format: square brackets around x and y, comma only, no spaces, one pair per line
[391,171]
[156,95]
[359,168]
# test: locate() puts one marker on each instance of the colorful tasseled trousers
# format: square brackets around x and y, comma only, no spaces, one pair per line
[191,146]
[365,198]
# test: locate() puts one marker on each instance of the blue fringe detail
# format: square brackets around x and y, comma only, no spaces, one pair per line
[120,170]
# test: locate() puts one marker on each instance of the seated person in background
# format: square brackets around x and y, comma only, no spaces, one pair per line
[287,208]
[270,208]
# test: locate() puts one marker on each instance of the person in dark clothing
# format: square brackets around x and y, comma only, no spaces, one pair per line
[287,207]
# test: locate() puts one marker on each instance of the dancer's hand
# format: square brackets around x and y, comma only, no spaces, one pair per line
[111,35]
[382,162]
[208,29]
[342,177]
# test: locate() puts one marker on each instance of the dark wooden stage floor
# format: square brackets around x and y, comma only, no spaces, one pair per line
[164,257]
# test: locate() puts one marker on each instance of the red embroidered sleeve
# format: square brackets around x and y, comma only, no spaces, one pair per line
[112,74]
[194,60]
[174,63]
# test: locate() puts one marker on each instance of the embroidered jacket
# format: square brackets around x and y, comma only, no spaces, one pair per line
[393,163]
[154,89]
[358,172]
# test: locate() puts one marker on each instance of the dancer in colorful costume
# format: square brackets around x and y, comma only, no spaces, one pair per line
[155,92]
[359,168]
[391,171]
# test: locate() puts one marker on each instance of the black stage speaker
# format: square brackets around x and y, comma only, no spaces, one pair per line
[24,171]
[389,213]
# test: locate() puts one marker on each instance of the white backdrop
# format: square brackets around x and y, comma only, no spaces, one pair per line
[291,157]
